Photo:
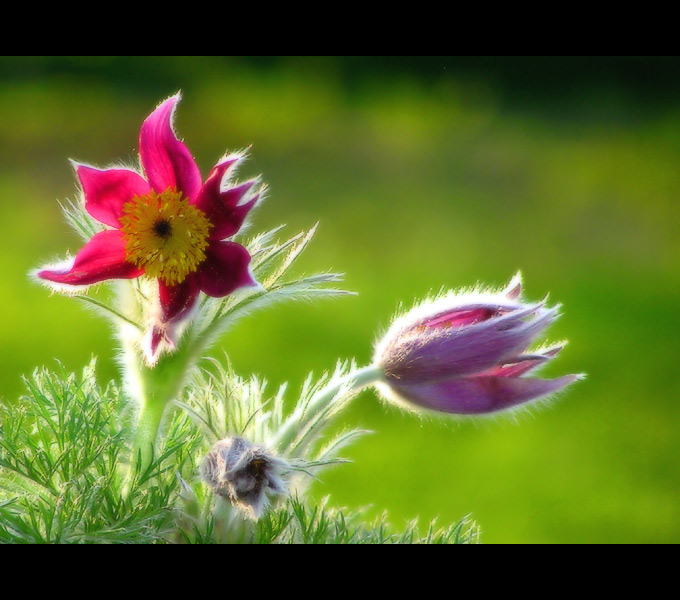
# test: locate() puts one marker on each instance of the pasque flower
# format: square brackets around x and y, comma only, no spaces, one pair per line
[468,353]
[164,223]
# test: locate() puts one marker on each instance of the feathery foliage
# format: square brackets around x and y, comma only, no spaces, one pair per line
[64,450]
[65,478]
[270,261]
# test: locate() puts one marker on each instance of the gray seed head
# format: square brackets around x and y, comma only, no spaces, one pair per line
[245,474]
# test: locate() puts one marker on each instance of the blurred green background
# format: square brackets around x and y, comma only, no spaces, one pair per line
[424,172]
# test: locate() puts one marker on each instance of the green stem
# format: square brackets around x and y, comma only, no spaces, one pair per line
[148,425]
[155,388]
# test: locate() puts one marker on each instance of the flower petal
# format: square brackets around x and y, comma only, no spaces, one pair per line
[465,316]
[226,209]
[478,395]
[524,363]
[440,353]
[225,269]
[102,258]
[177,300]
[106,191]
[152,347]
[514,289]
[167,162]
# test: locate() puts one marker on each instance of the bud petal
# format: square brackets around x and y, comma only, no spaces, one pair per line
[478,395]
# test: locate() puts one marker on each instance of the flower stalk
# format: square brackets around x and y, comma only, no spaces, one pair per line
[154,389]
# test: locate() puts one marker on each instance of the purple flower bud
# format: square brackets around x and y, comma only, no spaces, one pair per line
[468,352]
[245,474]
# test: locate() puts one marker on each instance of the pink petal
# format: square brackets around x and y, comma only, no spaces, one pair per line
[157,336]
[225,269]
[524,363]
[106,191]
[177,300]
[465,316]
[479,395]
[167,162]
[102,258]
[222,206]
[518,368]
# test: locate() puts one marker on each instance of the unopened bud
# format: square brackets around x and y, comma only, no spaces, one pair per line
[468,353]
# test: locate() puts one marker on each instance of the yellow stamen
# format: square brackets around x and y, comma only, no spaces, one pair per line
[165,235]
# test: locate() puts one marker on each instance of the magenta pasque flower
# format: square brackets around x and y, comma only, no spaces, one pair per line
[164,223]
[468,353]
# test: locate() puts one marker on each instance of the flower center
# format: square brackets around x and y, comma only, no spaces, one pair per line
[163,229]
[165,235]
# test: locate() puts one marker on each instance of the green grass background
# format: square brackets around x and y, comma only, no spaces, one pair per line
[423,174]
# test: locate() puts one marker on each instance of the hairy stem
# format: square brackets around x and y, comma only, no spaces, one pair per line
[154,388]
[148,425]
[299,420]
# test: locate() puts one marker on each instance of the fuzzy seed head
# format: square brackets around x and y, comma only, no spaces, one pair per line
[245,474]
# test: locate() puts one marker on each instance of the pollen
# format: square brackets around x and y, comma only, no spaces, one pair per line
[165,235]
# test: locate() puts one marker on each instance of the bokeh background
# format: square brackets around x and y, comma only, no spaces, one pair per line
[423,172]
